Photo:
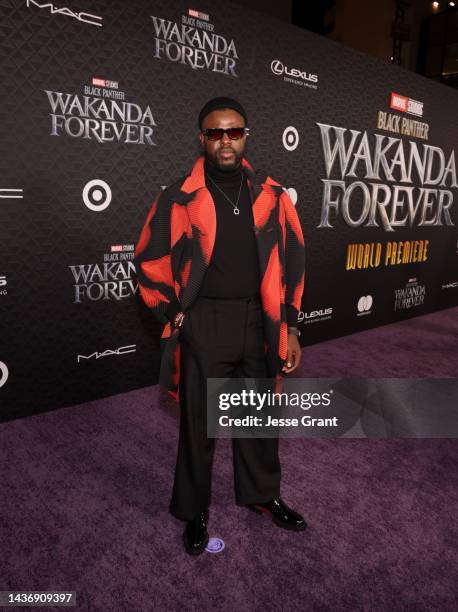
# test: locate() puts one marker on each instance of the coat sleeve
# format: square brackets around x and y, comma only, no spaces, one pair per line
[294,260]
[153,262]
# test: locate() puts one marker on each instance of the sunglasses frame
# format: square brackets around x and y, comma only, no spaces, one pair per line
[246,132]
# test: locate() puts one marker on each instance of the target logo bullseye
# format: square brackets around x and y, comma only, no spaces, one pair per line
[97,195]
[292,194]
[290,138]
[3,373]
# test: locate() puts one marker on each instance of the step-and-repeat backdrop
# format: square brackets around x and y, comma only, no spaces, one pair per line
[99,104]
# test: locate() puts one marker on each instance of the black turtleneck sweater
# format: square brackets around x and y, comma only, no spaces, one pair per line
[233,271]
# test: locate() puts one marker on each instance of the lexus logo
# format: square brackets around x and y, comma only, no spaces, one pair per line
[365,303]
[277,67]
[3,373]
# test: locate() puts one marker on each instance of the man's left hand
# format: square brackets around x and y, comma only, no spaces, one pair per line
[293,357]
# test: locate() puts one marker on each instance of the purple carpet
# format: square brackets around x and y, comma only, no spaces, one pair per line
[85,493]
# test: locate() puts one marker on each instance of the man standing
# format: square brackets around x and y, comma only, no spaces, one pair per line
[220,261]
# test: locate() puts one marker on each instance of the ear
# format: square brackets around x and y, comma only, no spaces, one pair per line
[201,138]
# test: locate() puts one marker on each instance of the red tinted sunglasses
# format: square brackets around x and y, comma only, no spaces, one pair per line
[234,133]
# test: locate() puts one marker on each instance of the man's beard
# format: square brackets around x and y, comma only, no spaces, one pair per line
[225,167]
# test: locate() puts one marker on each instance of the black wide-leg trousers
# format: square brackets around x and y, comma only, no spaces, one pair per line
[220,338]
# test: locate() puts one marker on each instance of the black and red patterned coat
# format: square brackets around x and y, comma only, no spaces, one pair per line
[175,248]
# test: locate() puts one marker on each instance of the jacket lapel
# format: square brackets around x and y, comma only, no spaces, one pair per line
[202,216]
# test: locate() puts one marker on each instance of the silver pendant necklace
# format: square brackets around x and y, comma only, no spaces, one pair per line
[236,208]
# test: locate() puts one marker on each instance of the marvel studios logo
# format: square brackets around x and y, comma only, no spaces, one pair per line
[198,15]
[121,248]
[104,83]
[406,105]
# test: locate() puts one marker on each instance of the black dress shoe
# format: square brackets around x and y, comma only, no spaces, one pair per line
[282,516]
[195,536]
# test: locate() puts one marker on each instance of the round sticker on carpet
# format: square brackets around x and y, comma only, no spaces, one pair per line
[215,545]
